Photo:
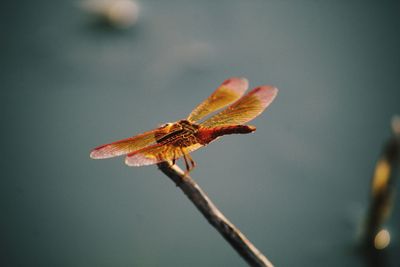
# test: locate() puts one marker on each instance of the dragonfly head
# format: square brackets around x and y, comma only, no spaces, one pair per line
[168,124]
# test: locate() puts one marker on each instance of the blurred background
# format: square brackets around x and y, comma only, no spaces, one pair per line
[74,76]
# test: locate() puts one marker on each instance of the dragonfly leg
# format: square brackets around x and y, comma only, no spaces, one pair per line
[174,159]
[189,167]
[186,164]
[192,162]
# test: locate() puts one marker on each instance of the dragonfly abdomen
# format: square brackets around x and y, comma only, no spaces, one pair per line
[206,135]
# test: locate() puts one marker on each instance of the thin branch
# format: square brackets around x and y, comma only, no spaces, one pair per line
[383,187]
[215,217]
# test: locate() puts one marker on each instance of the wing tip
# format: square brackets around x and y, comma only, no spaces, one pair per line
[268,88]
[239,84]
[102,152]
[267,93]
[94,154]
[97,153]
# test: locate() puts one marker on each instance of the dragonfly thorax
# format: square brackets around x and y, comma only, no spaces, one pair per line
[181,133]
[188,126]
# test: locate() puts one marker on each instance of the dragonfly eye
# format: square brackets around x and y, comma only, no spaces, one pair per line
[165,125]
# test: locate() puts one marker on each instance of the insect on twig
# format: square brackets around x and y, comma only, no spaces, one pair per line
[174,140]
[164,145]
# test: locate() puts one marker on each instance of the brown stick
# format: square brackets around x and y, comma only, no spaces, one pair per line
[383,186]
[215,217]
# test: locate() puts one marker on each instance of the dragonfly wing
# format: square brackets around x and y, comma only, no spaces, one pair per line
[157,153]
[228,92]
[127,145]
[245,109]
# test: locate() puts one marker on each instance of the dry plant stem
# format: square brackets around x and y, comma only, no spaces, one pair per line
[383,199]
[215,217]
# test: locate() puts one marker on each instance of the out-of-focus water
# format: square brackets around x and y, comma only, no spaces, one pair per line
[297,188]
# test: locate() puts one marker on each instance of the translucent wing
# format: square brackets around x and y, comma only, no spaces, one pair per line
[228,92]
[245,109]
[157,153]
[127,145]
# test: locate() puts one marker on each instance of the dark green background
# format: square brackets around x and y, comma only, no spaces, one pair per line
[298,187]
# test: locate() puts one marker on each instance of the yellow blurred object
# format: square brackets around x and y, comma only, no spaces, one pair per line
[381,177]
[382,239]
[119,13]
[383,191]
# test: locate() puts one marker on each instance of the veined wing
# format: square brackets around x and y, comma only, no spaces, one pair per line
[157,153]
[245,109]
[228,92]
[127,145]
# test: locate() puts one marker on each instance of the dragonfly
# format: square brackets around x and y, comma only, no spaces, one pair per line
[175,140]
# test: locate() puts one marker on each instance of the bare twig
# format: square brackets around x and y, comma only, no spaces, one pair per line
[215,217]
[383,190]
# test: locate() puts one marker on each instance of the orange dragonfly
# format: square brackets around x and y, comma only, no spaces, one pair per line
[177,139]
